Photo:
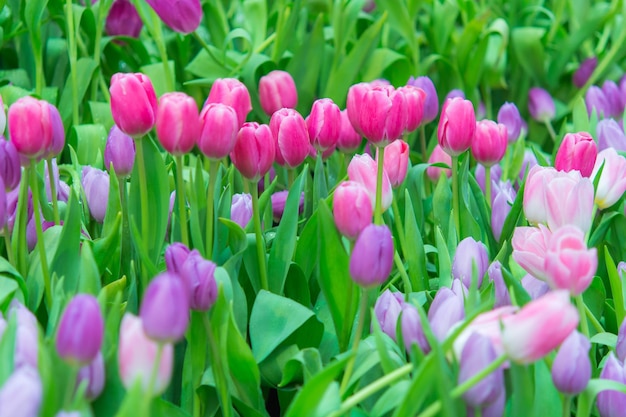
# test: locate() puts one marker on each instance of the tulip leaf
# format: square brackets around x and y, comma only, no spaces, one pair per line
[547,400]
[528,47]
[419,389]
[8,272]
[385,61]
[34,280]
[7,348]
[617,287]
[391,399]
[445,265]
[320,187]
[586,399]
[580,117]
[522,386]
[442,205]
[85,68]
[301,367]
[255,12]
[308,247]
[605,338]
[66,260]
[414,252]
[513,217]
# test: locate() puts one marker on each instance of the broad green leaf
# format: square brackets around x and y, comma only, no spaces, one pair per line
[84,69]
[617,288]
[89,142]
[419,389]
[302,367]
[528,47]
[547,399]
[445,264]
[7,271]
[66,262]
[255,12]
[415,254]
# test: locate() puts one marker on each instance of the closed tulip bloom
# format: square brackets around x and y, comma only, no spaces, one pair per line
[534,287]
[382,113]
[291,137]
[241,209]
[412,329]
[58,133]
[177,123]
[119,152]
[494,409]
[438,156]
[610,135]
[477,354]
[352,209]
[503,196]
[541,105]
[349,139]
[530,160]
[415,98]
[123,20]
[470,255]
[137,354]
[620,346]
[10,169]
[3,205]
[364,170]
[353,105]
[584,71]
[612,183]
[81,329]
[539,327]
[490,142]
[535,206]
[31,232]
[597,102]
[62,189]
[93,375]
[218,130]
[571,369]
[502,295]
[199,277]
[446,310]
[277,90]
[254,150]
[530,245]
[183,16]
[457,125]
[233,93]
[96,185]
[279,200]
[30,127]
[175,256]
[372,257]
[324,124]
[509,116]
[577,151]
[22,393]
[165,308]
[431,101]
[454,93]
[133,103]
[387,312]
[26,352]
[396,161]
[614,98]
[612,403]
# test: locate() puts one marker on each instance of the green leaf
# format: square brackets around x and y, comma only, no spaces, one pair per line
[547,399]
[513,217]
[89,281]
[89,142]
[7,271]
[156,72]
[415,246]
[7,348]
[594,387]
[616,286]
[308,247]
[445,265]
[420,387]
[84,70]
[528,47]
[67,260]
[580,117]
[605,338]
[255,21]
[302,367]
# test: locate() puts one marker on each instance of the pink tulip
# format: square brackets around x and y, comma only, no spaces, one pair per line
[177,123]
[438,156]
[183,16]
[290,136]
[415,98]
[30,127]
[218,130]
[490,142]
[133,103]
[539,327]
[612,183]
[382,114]
[349,139]
[364,170]
[456,126]
[352,209]
[277,90]
[530,245]
[233,93]
[577,151]
[353,105]
[324,124]
[254,150]
[396,161]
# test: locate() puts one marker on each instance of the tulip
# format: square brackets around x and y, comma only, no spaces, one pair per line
[352,209]
[382,114]
[571,369]
[478,353]
[490,142]
[96,185]
[254,150]
[541,105]
[577,151]
[199,277]
[584,71]
[415,98]
[412,330]
[595,100]
[446,310]
[495,409]
[455,93]
[62,189]
[612,182]
[279,199]
[501,291]
[64,413]
[610,135]
[233,93]
[470,255]
[12,199]
[438,156]
[277,90]
[534,287]
[165,308]
[183,16]
[241,209]
[364,170]
[218,130]
[353,105]
[530,160]
[31,232]
[509,116]
[503,197]
[81,329]
[133,103]
[489,325]
[27,338]
[620,345]
[30,127]
[177,123]
[539,327]
[349,139]
[614,98]
[396,161]
[10,170]
[387,312]
[119,152]
[137,355]
[3,206]
[612,403]
[529,249]
[291,137]
[21,395]
[372,257]
[93,375]
[175,256]
[431,102]
[123,20]
[324,124]
[481,111]
[457,125]
[58,133]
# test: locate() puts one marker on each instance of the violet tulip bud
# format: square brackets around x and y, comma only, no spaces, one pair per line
[596,101]
[199,277]
[614,98]
[470,255]
[584,71]
[30,127]
[494,409]
[96,185]
[62,189]
[10,169]
[137,354]
[349,139]
[412,329]
[254,151]
[3,206]
[364,170]
[120,152]
[123,20]
[241,209]
[438,156]
[22,393]
[396,161]
[387,312]
[541,105]
[502,295]
[534,287]
[489,143]
[93,375]
[218,130]
[414,105]
[431,101]
[577,151]
[620,346]
[277,90]
[279,199]
[503,196]
[530,160]
[178,123]
[382,114]
[457,125]
[509,116]
[291,137]
[477,354]
[530,245]
[571,369]
[58,133]
[233,93]
[324,124]
[454,93]
[372,257]
[610,135]
[612,403]
[183,16]
[133,103]
[31,231]
[27,338]
[612,182]
[81,329]
[539,327]
[447,309]
[165,308]
[352,208]
[175,256]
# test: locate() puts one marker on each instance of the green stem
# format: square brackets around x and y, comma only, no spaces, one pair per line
[125,245]
[594,322]
[218,371]
[71,49]
[423,144]
[267,42]
[408,288]
[550,130]
[355,344]
[53,192]
[143,186]
[71,385]
[20,247]
[455,195]
[39,74]
[208,50]
[556,23]
[584,325]
[180,196]
[156,30]
[291,177]
[260,243]
[378,210]
[567,404]
[399,227]
[147,404]
[488,185]
[103,11]
[7,241]
[210,204]
[39,230]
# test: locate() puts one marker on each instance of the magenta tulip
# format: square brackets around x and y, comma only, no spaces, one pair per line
[396,161]
[324,124]
[457,125]
[177,123]
[133,103]
[183,16]
[490,142]
[578,151]
[277,90]
[254,150]
[30,127]
[218,130]
[291,137]
[438,156]
[233,93]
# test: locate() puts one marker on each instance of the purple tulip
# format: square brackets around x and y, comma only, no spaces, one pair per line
[241,209]
[81,329]
[612,403]
[541,105]
[412,329]
[502,292]
[614,98]
[431,103]
[372,257]
[479,174]
[596,100]
[175,256]
[470,254]
[199,277]
[10,169]
[584,71]
[63,190]
[534,287]
[620,346]
[387,311]
[123,20]
[446,310]
[120,152]
[455,93]
[96,185]
[477,354]
[610,135]
[509,116]
[21,395]
[183,16]
[571,369]
[503,195]
[27,338]
[165,308]
[279,199]
[93,375]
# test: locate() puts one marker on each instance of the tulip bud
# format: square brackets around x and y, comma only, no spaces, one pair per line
[441,157]
[199,277]
[58,133]
[165,308]
[21,395]
[218,132]
[571,369]
[414,104]
[352,209]
[612,182]
[387,311]
[133,103]
[277,90]
[539,327]
[30,127]
[241,209]
[364,170]
[577,151]
[62,189]
[349,139]
[454,93]
[396,161]
[177,123]
[233,93]
[584,71]
[10,170]
[489,143]
[457,125]
[80,332]
[503,196]
[541,105]
[501,291]
[620,346]
[291,137]
[353,105]
[614,99]
[530,160]
[431,102]
[597,101]
[324,124]
[382,113]
[123,20]
[96,185]
[119,151]
[446,310]
[137,355]
[509,116]
[372,257]
[529,249]
[610,135]
[31,231]
[254,150]
[494,409]
[412,330]
[279,199]
[612,403]
[175,256]
[93,375]
[3,206]
[27,338]
[183,16]
[470,255]
[478,353]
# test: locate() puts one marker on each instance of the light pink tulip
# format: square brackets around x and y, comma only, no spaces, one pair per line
[291,137]
[233,93]
[486,324]
[438,156]
[177,123]
[396,161]
[276,91]
[352,208]
[364,170]
[490,142]
[457,125]
[539,327]
[612,183]
[529,249]
[578,151]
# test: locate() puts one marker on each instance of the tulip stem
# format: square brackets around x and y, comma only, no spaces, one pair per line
[180,196]
[20,244]
[378,210]
[455,195]
[71,386]
[221,383]
[355,344]
[157,33]
[7,244]
[260,243]
[596,324]
[125,243]
[39,230]
[71,50]
[153,376]
[103,11]
[53,192]
[143,187]
[488,186]
[291,177]
[408,288]
[567,403]
[399,227]
[584,325]
[423,144]
[550,130]
[210,205]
